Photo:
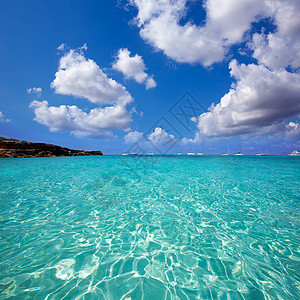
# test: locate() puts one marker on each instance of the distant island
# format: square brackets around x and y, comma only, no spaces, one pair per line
[12,148]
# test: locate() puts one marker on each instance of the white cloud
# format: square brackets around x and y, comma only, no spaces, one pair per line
[35,90]
[265,94]
[81,77]
[161,137]
[98,122]
[136,112]
[188,141]
[133,137]
[3,119]
[276,51]
[260,98]
[133,67]
[150,83]
[286,16]
[283,130]
[292,129]
[226,23]
[61,47]
[280,49]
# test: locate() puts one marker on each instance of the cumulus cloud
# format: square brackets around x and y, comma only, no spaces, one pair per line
[150,83]
[259,98]
[283,130]
[3,119]
[161,137]
[265,95]
[35,90]
[292,129]
[226,23]
[98,122]
[189,141]
[276,51]
[133,67]
[133,137]
[81,77]
[280,49]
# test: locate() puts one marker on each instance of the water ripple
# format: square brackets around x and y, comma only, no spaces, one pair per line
[182,228]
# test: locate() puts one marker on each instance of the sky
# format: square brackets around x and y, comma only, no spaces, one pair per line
[161,76]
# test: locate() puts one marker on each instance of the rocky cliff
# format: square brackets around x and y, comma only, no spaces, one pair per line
[14,148]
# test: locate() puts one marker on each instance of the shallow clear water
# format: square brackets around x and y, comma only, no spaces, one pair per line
[112,227]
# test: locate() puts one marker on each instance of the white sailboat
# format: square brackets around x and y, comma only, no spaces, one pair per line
[294,153]
[191,152]
[238,153]
[226,153]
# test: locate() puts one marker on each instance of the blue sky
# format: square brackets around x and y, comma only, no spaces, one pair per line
[111,70]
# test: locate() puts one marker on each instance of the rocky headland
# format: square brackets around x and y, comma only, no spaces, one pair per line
[11,148]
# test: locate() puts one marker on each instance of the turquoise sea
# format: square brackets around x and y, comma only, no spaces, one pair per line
[151,228]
